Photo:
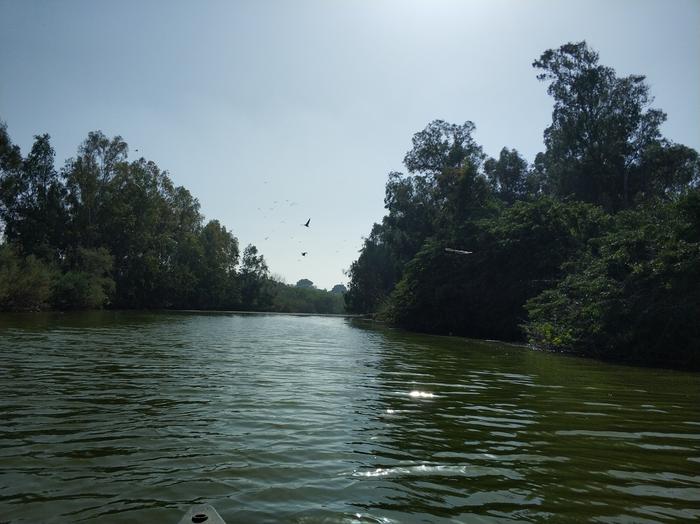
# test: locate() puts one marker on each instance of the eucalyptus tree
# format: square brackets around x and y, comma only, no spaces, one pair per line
[88,177]
[443,171]
[32,206]
[254,280]
[602,126]
[442,146]
[218,285]
[508,175]
[305,283]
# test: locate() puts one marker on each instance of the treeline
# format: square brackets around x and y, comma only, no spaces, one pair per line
[104,231]
[304,297]
[592,249]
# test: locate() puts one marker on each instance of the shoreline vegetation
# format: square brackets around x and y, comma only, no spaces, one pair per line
[106,232]
[592,249]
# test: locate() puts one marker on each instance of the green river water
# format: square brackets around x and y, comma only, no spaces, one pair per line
[132,417]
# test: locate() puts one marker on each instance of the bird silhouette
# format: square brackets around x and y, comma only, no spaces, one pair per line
[303,253]
[307,223]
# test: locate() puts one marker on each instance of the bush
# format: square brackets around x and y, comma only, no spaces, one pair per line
[636,297]
[25,283]
[87,285]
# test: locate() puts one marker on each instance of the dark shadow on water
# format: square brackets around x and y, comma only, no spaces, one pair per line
[82,319]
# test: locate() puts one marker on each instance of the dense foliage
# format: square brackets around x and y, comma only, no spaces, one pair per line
[306,298]
[593,249]
[105,231]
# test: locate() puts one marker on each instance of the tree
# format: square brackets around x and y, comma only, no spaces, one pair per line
[372,276]
[88,177]
[444,189]
[87,284]
[339,289]
[294,299]
[515,255]
[25,281]
[666,171]
[117,233]
[32,201]
[10,155]
[508,175]
[10,177]
[443,146]
[601,127]
[254,276]
[305,283]
[218,285]
[186,263]
[134,221]
[635,296]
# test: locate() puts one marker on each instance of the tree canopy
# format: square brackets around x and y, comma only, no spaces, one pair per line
[105,231]
[590,249]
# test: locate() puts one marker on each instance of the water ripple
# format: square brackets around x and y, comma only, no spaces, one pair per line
[126,417]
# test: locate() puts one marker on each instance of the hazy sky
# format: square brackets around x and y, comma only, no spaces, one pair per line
[274,112]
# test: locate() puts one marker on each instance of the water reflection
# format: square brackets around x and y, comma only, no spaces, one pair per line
[515,437]
[123,417]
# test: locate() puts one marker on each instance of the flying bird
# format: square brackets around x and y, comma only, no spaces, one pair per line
[303,253]
[458,251]
[307,223]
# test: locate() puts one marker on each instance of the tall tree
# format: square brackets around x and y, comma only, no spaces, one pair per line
[217,285]
[602,125]
[254,277]
[443,146]
[33,207]
[10,179]
[508,175]
[444,187]
[87,179]
[373,275]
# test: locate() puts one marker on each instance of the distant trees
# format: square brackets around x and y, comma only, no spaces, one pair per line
[304,299]
[591,249]
[305,283]
[339,289]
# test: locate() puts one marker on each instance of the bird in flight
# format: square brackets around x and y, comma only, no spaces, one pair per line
[307,223]
[459,251]
[303,253]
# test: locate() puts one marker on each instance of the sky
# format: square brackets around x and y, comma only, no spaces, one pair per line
[274,112]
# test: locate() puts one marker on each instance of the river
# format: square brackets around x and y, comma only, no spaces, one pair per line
[116,417]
